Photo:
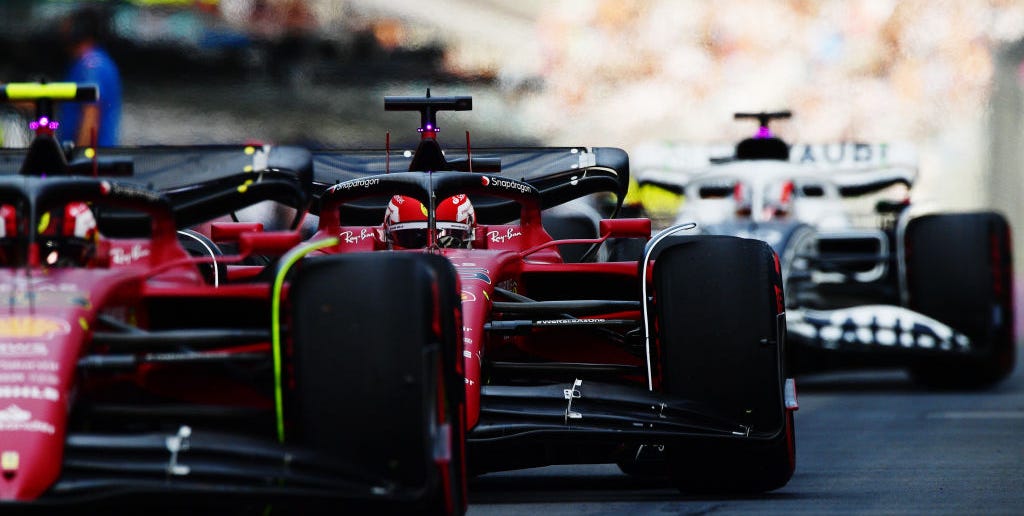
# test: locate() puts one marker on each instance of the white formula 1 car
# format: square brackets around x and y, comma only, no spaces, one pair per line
[930,292]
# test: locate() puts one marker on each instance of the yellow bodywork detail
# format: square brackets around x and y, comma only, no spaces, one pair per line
[248,168]
[90,153]
[633,193]
[34,90]
[44,222]
[659,202]
[83,323]
[9,461]
[242,188]
[250,150]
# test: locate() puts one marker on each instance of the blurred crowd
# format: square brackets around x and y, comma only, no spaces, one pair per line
[619,72]
[879,69]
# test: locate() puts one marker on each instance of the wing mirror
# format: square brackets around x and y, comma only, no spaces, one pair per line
[268,242]
[625,228]
[231,231]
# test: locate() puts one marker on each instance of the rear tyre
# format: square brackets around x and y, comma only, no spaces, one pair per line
[377,372]
[960,272]
[720,320]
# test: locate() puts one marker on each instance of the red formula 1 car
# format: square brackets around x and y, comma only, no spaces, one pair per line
[135,373]
[671,363]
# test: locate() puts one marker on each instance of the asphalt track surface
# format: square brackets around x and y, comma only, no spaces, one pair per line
[868,442]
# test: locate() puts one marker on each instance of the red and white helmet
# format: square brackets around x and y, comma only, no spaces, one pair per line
[405,222]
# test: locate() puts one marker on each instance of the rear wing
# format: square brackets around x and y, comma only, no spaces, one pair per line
[855,168]
[560,174]
[166,167]
[201,182]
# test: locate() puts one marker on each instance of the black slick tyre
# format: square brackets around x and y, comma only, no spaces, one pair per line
[960,272]
[720,324]
[374,348]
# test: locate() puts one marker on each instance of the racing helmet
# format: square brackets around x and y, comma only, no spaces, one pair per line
[405,222]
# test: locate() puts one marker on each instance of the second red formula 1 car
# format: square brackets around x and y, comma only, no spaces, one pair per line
[137,377]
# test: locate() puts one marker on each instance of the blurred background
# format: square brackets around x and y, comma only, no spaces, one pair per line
[944,77]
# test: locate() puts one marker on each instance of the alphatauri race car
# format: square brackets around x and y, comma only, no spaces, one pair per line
[142,371]
[671,363]
[906,287]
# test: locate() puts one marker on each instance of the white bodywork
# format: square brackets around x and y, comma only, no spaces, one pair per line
[818,174]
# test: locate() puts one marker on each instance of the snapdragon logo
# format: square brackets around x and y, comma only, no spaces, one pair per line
[505,183]
[357,183]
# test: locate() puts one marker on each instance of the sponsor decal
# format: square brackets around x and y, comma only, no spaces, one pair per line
[131,192]
[32,326]
[507,184]
[23,349]
[42,378]
[468,297]
[12,377]
[502,236]
[357,183]
[16,419]
[46,296]
[838,153]
[121,256]
[29,365]
[467,354]
[349,237]
[29,392]
[568,322]
[474,273]
[36,285]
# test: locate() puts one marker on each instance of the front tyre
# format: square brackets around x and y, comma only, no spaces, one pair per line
[377,380]
[960,272]
[719,312]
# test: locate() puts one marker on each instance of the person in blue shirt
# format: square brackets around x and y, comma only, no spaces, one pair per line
[94,123]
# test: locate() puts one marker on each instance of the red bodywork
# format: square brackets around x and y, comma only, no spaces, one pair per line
[49,326]
[514,257]
[44,332]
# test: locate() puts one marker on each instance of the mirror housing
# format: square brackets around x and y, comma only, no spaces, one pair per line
[625,228]
[232,231]
[268,242]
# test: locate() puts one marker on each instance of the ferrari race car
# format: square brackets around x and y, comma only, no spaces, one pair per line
[671,363]
[142,370]
[907,287]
